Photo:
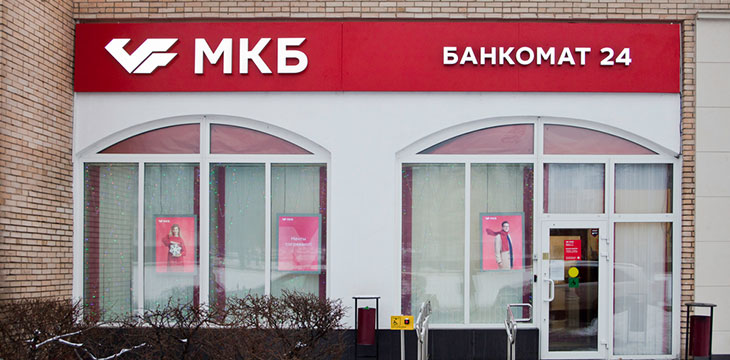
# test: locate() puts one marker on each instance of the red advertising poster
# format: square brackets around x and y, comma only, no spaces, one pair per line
[502,241]
[175,243]
[299,238]
[571,249]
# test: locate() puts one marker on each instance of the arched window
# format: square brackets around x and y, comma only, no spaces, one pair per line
[464,191]
[201,211]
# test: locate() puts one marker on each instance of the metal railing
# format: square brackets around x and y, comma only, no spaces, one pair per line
[511,326]
[421,328]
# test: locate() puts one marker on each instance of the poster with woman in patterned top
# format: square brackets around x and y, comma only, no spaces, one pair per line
[175,243]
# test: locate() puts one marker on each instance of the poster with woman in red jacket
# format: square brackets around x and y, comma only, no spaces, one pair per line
[502,239]
[175,243]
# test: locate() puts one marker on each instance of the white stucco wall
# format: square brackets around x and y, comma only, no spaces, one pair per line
[363,132]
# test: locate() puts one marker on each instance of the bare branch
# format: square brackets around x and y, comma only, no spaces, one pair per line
[55,338]
[122,352]
[68,343]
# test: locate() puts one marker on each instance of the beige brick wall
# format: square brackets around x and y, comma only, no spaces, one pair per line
[36,99]
[670,10]
[688,170]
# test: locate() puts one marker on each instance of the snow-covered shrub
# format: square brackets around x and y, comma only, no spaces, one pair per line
[291,326]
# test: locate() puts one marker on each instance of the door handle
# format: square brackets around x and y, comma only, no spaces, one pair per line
[604,253]
[551,290]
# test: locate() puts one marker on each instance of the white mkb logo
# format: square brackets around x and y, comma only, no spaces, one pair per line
[148,56]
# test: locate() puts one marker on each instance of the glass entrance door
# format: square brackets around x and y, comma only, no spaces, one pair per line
[574,301]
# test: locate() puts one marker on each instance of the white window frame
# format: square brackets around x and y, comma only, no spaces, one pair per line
[409,155]
[204,159]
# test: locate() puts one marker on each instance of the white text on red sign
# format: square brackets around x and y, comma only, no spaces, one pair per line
[526,56]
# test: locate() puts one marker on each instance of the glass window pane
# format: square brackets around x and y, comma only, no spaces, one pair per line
[561,139]
[500,193]
[574,188]
[180,139]
[642,323]
[433,240]
[509,139]
[237,225]
[643,188]
[298,223]
[110,238]
[227,139]
[171,203]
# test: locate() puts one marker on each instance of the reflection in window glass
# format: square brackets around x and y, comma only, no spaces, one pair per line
[504,192]
[178,139]
[298,194]
[642,287]
[110,238]
[562,139]
[237,224]
[433,240]
[227,139]
[574,188]
[508,139]
[171,233]
[643,188]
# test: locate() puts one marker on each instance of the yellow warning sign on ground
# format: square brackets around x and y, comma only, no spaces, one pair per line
[401,322]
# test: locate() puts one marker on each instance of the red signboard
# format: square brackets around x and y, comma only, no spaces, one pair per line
[571,249]
[378,56]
